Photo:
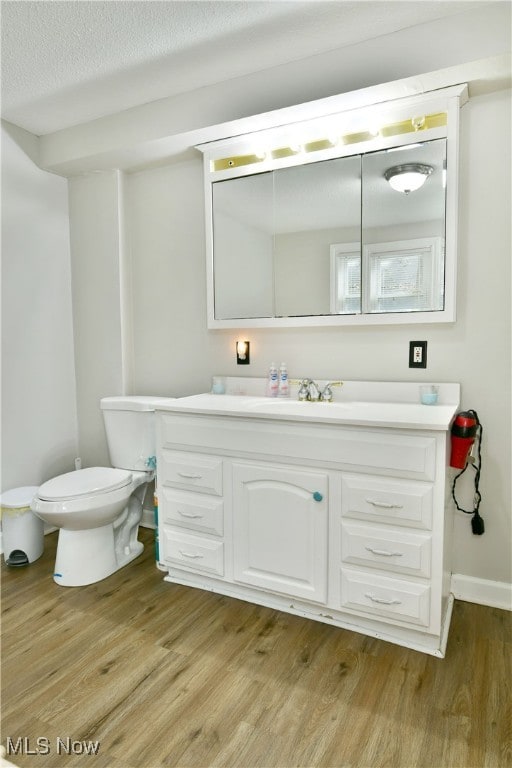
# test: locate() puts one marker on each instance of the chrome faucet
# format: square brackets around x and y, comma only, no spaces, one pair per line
[309,390]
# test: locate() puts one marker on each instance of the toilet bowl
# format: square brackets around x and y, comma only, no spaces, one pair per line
[86,498]
[98,509]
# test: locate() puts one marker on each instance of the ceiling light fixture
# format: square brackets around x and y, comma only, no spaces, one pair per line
[408,177]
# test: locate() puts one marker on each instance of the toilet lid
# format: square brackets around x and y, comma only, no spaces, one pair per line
[84,482]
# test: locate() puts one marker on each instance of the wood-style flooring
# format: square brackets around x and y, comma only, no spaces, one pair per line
[149,674]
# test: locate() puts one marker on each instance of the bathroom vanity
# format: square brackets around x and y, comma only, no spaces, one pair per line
[333,511]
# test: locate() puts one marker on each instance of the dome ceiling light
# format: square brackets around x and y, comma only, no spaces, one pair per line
[408,177]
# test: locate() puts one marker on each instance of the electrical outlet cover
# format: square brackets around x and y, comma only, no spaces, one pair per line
[417,354]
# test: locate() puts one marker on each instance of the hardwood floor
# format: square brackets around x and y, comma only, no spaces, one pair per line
[164,675]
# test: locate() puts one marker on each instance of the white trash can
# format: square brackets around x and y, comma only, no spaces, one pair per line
[22,530]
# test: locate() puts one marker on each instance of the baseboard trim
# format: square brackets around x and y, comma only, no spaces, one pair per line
[495,594]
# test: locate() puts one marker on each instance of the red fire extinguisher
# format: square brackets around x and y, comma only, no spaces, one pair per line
[466,429]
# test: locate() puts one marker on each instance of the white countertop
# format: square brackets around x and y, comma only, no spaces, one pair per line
[397,415]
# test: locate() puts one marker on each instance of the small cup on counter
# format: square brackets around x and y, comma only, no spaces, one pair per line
[218,385]
[429,394]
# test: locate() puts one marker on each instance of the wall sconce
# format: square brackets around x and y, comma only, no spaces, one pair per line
[243,352]
[408,177]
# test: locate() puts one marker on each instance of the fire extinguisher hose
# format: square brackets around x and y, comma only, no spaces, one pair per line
[477,523]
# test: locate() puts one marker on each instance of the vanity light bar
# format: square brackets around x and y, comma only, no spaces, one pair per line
[411,125]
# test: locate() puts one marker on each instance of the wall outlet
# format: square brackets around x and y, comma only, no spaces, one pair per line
[417,354]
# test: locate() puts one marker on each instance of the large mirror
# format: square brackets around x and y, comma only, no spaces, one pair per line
[332,237]
[354,227]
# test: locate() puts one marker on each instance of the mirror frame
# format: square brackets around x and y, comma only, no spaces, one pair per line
[401,122]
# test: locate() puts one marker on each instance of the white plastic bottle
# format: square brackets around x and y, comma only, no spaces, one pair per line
[284,386]
[273,381]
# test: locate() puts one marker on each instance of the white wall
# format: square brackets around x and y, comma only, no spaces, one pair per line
[480,349]
[100,289]
[39,427]
[167,246]
[175,354]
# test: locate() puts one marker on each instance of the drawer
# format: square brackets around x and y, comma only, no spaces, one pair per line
[386,548]
[195,511]
[399,502]
[191,471]
[194,552]
[396,599]
[391,452]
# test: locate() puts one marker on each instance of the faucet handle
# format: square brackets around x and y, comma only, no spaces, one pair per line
[303,393]
[327,395]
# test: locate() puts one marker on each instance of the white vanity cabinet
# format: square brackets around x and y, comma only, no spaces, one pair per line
[341,523]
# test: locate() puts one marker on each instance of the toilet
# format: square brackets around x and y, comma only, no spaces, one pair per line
[98,509]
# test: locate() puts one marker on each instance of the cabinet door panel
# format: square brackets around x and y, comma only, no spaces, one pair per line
[280,529]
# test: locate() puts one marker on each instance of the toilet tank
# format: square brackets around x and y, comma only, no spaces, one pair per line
[130,428]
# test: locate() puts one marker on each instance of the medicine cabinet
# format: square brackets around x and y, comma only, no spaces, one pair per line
[305,224]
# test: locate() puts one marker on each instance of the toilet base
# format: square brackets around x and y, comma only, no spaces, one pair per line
[87,556]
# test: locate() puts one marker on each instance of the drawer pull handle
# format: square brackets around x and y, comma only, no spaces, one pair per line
[384,504]
[190,475]
[317,496]
[381,600]
[384,552]
[189,515]
[192,555]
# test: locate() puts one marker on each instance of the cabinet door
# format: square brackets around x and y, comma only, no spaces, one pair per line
[280,518]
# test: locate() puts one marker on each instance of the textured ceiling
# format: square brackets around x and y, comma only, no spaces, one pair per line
[68,62]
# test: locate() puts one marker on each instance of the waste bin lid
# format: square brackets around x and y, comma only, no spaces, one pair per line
[17,498]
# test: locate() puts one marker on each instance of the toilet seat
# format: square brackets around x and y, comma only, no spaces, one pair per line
[84,482]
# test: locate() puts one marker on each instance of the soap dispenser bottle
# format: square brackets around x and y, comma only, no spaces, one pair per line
[284,386]
[273,381]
